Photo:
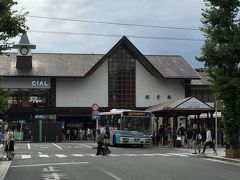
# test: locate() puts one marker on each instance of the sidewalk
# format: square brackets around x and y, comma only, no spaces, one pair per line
[4,165]
[210,154]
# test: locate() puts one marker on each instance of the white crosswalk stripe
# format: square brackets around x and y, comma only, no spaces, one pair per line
[176,154]
[191,154]
[115,155]
[166,155]
[60,155]
[27,156]
[24,156]
[131,155]
[77,155]
[43,155]
[148,154]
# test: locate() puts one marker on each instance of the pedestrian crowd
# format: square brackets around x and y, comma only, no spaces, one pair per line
[196,137]
[79,134]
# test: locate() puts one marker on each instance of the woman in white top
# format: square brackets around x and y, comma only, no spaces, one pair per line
[8,143]
[208,140]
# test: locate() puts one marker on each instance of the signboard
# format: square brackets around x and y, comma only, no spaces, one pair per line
[95,112]
[136,113]
[43,116]
[39,83]
[95,115]
[26,83]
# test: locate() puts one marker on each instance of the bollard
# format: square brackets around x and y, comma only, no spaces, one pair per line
[56,138]
[31,138]
[45,138]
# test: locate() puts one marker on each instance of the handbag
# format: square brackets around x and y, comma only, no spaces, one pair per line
[179,138]
[199,137]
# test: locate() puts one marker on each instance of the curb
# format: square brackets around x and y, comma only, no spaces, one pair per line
[4,166]
[223,159]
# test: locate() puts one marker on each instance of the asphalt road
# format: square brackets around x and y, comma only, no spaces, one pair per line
[75,161]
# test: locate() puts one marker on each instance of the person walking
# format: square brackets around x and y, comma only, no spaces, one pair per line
[99,138]
[201,137]
[107,140]
[195,138]
[165,134]
[181,133]
[8,144]
[68,134]
[189,134]
[88,134]
[209,141]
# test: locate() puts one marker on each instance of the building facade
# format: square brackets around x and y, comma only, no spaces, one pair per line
[50,88]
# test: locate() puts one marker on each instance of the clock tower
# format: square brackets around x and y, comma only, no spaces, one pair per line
[24,54]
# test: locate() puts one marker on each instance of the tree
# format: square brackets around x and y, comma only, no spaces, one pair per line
[4,96]
[221,54]
[12,24]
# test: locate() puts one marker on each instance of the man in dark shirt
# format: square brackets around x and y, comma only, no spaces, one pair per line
[182,132]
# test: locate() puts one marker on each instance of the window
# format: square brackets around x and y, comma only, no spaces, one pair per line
[204,95]
[121,79]
[29,98]
[140,124]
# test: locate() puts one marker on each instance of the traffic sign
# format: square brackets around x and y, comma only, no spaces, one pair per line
[95,115]
[95,107]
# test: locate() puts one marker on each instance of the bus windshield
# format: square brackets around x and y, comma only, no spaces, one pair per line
[140,124]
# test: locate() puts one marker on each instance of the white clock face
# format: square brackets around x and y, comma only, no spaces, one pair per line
[24,50]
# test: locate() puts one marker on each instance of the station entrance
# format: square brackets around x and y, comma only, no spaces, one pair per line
[77,127]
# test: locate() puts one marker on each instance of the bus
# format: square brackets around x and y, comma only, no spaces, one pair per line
[130,127]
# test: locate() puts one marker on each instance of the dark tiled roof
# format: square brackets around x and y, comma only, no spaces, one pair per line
[175,67]
[47,64]
[81,65]
[180,105]
[78,65]
[204,81]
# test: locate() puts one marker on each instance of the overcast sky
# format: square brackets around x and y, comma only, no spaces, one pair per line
[163,13]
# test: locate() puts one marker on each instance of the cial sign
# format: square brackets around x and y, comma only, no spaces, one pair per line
[40,83]
[39,117]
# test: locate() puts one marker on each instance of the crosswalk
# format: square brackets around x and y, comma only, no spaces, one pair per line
[30,156]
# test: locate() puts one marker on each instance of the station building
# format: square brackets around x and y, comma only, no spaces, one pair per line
[58,88]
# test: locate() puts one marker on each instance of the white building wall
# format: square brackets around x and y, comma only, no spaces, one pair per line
[146,84]
[84,92]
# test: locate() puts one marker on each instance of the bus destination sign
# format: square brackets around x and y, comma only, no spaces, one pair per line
[135,113]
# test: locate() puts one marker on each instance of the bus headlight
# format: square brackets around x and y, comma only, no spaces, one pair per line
[148,140]
[125,140]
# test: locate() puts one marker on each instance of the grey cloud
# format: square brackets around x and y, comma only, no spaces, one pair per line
[162,13]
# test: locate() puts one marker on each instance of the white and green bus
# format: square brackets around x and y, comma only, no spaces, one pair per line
[128,126]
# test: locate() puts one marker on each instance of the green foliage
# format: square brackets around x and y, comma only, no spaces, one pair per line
[12,23]
[221,54]
[4,97]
